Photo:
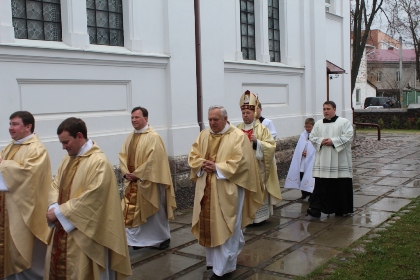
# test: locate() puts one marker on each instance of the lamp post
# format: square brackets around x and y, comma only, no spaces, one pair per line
[400,85]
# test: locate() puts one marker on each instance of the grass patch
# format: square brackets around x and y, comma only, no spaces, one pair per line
[395,254]
[386,130]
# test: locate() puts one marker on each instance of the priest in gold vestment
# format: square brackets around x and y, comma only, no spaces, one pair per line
[25,177]
[149,197]
[264,146]
[89,239]
[228,191]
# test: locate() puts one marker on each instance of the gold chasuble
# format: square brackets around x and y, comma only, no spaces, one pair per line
[26,170]
[144,155]
[86,190]
[268,165]
[205,234]
[216,200]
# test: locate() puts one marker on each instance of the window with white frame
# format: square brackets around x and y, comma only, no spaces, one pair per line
[248,29]
[358,96]
[274,30]
[327,5]
[37,20]
[105,22]
[330,6]
[379,77]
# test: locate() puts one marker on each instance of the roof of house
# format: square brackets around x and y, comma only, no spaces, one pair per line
[391,55]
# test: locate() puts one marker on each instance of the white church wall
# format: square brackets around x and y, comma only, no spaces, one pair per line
[338,52]
[156,69]
[181,90]
[101,84]
[56,84]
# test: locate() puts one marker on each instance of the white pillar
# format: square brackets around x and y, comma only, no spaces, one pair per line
[7,32]
[132,24]
[181,109]
[74,23]
[261,31]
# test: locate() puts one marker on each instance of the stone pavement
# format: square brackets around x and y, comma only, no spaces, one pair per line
[291,243]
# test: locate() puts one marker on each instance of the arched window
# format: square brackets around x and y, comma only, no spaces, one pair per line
[105,22]
[37,20]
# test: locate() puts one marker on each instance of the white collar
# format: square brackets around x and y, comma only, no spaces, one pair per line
[20,141]
[249,126]
[227,125]
[86,147]
[141,130]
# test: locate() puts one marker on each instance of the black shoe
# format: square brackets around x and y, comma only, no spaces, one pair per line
[341,214]
[214,277]
[314,213]
[164,244]
[304,196]
[137,248]
[259,223]
[217,277]
[209,267]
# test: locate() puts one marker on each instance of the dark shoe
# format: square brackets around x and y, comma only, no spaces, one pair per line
[341,215]
[259,223]
[313,212]
[305,194]
[137,248]
[216,277]
[164,244]
[209,267]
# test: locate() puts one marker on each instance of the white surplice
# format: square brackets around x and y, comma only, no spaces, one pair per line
[302,164]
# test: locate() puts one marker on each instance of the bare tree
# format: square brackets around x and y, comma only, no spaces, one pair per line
[362,15]
[404,18]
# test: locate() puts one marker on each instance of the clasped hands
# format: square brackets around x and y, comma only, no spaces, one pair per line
[326,142]
[52,218]
[130,177]
[208,166]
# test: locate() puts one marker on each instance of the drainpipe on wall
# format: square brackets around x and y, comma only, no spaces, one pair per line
[198,64]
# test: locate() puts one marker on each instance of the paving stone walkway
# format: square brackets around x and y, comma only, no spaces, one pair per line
[291,243]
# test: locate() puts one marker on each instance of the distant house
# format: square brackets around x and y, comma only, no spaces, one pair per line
[383,68]
[381,41]
[384,73]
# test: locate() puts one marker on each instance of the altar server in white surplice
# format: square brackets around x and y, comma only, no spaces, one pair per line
[300,171]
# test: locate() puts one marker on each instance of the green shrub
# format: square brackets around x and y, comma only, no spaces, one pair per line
[395,122]
[407,124]
[381,123]
[418,124]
